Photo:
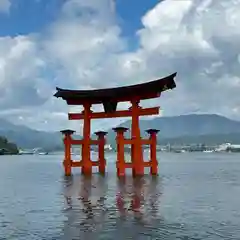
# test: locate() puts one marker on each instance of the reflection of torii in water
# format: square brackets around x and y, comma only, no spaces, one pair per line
[86,195]
[93,210]
[143,193]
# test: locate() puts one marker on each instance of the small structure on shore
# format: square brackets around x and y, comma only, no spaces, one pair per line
[110,98]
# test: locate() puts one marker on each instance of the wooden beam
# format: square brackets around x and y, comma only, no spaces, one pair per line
[120,113]
[77,164]
[145,164]
[122,99]
[148,164]
[76,142]
[95,163]
[128,165]
[146,141]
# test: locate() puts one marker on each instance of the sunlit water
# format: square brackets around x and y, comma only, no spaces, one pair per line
[196,196]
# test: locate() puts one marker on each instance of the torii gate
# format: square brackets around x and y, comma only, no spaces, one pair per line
[110,97]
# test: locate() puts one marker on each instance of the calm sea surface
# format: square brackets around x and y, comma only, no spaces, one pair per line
[196,196]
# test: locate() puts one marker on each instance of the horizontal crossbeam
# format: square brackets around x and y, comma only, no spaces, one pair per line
[130,165]
[122,113]
[97,163]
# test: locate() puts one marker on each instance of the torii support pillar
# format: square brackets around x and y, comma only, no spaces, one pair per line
[86,151]
[153,150]
[101,158]
[136,148]
[67,162]
[120,151]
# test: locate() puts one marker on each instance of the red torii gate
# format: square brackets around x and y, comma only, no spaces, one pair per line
[110,97]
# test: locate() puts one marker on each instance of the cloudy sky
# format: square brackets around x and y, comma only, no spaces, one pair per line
[101,43]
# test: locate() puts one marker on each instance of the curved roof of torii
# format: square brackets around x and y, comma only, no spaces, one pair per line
[146,90]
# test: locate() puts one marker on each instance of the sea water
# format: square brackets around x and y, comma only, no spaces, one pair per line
[196,196]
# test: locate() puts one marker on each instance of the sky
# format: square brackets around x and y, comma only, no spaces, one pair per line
[91,44]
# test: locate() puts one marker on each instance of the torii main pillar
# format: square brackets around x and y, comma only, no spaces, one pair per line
[86,145]
[136,149]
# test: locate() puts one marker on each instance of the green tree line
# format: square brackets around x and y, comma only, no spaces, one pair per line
[7,147]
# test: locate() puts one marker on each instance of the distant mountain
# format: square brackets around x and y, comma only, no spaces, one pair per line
[187,126]
[28,138]
[208,139]
[178,129]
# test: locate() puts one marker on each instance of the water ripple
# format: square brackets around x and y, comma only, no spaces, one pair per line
[192,199]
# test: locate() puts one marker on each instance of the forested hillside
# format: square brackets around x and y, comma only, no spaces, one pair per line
[7,147]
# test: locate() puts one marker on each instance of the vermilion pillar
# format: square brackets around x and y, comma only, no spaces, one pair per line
[67,162]
[136,150]
[153,150]
[120,150]
[101,157]
[86,154]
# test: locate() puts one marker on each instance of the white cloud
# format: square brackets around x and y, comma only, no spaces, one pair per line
[20,73]
[5,6]
[187,37]
[84,49]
